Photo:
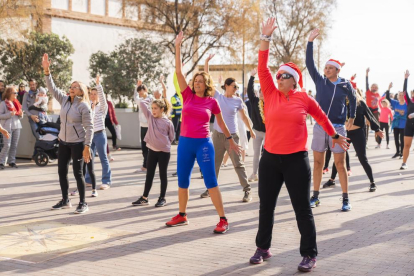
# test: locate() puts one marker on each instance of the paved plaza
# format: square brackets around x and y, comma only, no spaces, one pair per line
[115,238]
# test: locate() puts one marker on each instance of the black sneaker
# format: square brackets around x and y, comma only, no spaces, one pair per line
[82,208]
[141,202]
[329,184]
[372,187]
[1,167]
[63,204]
[396,155]
[161,202]
[13,165]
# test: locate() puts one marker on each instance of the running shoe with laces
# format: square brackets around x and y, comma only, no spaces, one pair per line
[205,194]
[141,202]
[161,202]
[307,264]
[247,196]
[326,170]
[260,255]
[13,165]
[82,208]
[94,193]
[222,227]
[314,202]
[372,187]
[346,206]
[404,166]
[329,184]
[178,220]
[396,155]
[378,146]
[63,204]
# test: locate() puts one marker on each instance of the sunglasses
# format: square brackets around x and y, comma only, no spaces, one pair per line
[236,87]
[284,76]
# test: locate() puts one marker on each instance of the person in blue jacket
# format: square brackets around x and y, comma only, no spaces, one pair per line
[331,94]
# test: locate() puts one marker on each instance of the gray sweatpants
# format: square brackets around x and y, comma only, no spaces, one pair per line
[257,148]
[10,147]
[221,145]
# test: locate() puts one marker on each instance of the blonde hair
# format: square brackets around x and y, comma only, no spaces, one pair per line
[208,81]
[387,102]
[163,104]
[84,89]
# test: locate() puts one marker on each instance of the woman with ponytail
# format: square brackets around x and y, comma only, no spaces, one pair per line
[159,137]
[10,116]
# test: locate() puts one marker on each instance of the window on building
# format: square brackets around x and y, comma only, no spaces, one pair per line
[98,7]
[131,12]
[80,5]
[60,4]
[115,8]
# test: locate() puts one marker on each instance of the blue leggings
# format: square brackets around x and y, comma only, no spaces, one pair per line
[188,150]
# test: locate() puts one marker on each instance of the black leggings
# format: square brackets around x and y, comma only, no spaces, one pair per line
[293,170]
[144,146]
[162,158]
[328,155]
[386,127]
[111,129]
[177,126]
[399,139]
[68,151]
[91,171]
[357,137]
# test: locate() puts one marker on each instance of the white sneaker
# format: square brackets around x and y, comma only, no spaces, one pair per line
[404,166]
[388,147]
[110,158]
[94,193]
[378,146]
[104,187]
[253,177]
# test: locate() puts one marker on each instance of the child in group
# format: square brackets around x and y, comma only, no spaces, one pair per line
[159,137]
[384,119]
[41,105]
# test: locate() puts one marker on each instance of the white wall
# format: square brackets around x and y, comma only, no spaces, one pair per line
[88,38]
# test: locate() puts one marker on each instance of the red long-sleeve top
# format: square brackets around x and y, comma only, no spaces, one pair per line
[286,130]
[111,111]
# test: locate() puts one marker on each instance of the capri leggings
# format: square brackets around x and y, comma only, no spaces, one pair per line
[190,149]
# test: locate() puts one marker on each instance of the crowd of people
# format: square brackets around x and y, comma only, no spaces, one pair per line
[274,117]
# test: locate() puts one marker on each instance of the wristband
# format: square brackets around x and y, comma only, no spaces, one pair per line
[267,38]
[228,138]
[336,136]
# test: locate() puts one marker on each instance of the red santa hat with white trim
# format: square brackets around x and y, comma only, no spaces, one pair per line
[335,63]
[292,69]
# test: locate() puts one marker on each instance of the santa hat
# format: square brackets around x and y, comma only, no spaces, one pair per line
[335,63]
[292,69]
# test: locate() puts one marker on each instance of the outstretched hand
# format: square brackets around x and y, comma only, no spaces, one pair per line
[179,39]
[390,86]
[97,80]
[353,77]
[139,82]
[314,34]
[210,56]
[253,72]
[368,71]
[342,142]
[269,27]
[45,62]
[407,74]
[162,78]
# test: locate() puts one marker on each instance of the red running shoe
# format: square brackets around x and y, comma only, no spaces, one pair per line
[325,171]
[222,227]
[178,220]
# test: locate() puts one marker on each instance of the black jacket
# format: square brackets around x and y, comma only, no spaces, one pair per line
[254,100]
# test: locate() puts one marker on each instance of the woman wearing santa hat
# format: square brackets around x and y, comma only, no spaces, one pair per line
[285,157]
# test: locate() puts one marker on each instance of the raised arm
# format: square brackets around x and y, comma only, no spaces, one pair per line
[206,65]
[144,105]
[164,88]
[366,81]
[58,94]
[178,65]
[266,79]
[406,96]
[177,88]
[250,87]
[310,63]
[103,104]
[137,99]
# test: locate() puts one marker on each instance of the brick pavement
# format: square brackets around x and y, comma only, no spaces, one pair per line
[375,238]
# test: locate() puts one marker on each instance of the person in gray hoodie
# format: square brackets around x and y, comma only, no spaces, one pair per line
[75,136]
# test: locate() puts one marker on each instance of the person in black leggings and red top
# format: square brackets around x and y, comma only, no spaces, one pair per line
[285,158]
[356,134]
[409,125]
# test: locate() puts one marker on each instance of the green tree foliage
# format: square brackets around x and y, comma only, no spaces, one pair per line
[22,60]
[121,68]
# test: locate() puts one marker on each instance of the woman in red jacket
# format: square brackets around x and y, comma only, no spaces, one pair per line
[110,121]
[285,157]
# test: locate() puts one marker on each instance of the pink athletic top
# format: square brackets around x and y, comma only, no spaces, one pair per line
[196,114]
[386,113]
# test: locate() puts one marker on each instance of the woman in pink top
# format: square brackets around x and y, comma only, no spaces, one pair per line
[195,142]
[384,119]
